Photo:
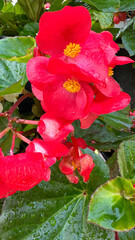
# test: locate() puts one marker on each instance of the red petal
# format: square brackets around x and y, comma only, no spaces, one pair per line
[103,105]
[5,191]
[65,165]
[53,129]
[58,29]
[121,61]
[37,72]
[111,87]
[87,121]
[22,171]
[72,178]
[47,148]
[38,93]
[67,105]
[87,166]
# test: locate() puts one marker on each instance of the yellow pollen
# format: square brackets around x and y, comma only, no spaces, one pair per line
[72,50]
[72,86]
[110,71]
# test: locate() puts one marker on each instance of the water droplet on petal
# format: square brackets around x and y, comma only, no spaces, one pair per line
[96,75]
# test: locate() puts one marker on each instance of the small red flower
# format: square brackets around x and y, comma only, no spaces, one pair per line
[119,16]
[53,129]
[75,160]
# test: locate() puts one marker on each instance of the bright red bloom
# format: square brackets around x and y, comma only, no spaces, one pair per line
[64,95]
[66,34]
[76,160]
[53,129]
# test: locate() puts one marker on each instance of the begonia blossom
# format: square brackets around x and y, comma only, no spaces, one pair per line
[75,160]
[62,36]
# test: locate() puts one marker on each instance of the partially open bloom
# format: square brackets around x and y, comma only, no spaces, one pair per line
[83,163]
[119,16]
[76,160]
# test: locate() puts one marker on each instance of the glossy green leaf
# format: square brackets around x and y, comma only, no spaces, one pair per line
[54,210]
[128,39]
[1,4]
[32,8]
[11,77]
[126,159]
[112,206]
[127,235]
[105,19]
[17,48]
[118,120]
[104,5]
[30,29]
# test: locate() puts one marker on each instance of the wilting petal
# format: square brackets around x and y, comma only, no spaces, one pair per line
[72,178]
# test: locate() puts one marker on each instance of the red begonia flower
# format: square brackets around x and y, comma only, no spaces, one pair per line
[5,190]
[69,99]
[53,129]
[83,163]
[37,52]
[48,149]
[58,29]
[23,171]
[38,93]
[93,53]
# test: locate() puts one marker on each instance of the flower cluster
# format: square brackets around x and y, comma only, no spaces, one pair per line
[74,82]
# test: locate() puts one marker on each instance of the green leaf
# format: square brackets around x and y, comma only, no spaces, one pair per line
[17,49]
[126,159]
[113,165]
[8,7]
[58,5]
[18,9]
[127,5]
[1,4]
[54,210]
[127,235]
[104,5]
[128,40]
[30,29]
[112,206]
[32,8]
[105,19]
[12,75]
[118,120]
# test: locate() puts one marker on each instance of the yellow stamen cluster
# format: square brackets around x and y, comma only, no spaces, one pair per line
[72,86]
[72,50]
[110,71]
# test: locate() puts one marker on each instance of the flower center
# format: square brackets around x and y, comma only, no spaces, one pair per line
[72,50]
[110,71]
[72,86]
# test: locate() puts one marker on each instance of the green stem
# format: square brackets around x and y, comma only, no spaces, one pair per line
[32,14]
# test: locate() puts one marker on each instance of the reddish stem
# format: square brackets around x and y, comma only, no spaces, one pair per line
[24,121]
[3,114]
[75,145]
[116,236]
[4,132]
[13,144]
[12,109]
[22,138]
